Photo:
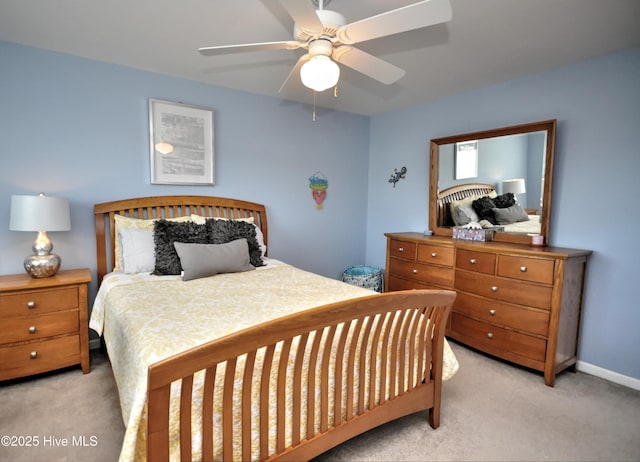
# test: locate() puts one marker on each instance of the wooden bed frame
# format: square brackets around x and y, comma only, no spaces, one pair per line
[456,193]
[410,342]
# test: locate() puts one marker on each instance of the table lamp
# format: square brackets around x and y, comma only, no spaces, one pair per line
[40,213]
[515,186]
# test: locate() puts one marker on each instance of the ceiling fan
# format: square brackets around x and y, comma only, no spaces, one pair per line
[327,38]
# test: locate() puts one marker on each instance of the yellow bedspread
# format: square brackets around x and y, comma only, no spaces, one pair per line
[147,318]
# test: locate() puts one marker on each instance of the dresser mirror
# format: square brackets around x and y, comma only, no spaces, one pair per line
[517,159]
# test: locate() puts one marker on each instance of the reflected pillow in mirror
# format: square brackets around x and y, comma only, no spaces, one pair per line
[464,214]
[513,214]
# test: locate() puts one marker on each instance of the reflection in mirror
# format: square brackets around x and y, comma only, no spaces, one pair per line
[517,160]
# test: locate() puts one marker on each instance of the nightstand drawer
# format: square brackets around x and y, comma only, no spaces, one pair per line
[434,275]
[41,301]
[526,269]
[402,249]
[437,255]
[41,356]
[27,328]
[530,320]
[497,339]
[480,262]
[509,290]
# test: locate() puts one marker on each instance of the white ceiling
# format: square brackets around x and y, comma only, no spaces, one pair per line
[486,42]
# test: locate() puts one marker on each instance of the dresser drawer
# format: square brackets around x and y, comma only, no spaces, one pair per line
[35,302]
[480,262]
[496,339]
[402,249]
[26,328]
[396,283]
[529,320]
[526,269]
[435,254]
[41,356]
[520,292]
[429,274]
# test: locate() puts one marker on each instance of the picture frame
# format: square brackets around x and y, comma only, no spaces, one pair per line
[181,145]
[466,160]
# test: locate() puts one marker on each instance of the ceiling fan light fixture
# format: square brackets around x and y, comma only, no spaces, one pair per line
[320,73]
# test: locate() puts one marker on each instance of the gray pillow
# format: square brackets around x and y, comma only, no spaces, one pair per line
[509,215]
[464,214]
[203,260]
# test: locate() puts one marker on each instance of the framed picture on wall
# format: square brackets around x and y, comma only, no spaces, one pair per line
[181,143]
[466,164]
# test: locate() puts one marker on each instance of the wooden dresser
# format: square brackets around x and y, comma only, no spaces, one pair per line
[517,302]
[43,323]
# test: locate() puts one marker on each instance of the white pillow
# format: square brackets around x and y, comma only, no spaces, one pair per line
[138,250]
[124,222]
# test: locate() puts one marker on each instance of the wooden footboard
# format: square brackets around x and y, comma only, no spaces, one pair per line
[297,386]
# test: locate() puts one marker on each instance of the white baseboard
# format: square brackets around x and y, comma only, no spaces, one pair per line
[608,375]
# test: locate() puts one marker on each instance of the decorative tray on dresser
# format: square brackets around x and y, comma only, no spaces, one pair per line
[43,323]
[517,302]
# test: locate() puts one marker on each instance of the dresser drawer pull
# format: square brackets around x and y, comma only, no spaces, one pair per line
[492,312]
[490,335]
[31,304]
[494,288]
[33,355]
[473,261]
[523,269]
[400,249]
[415,271]
[434,255]
[32,329]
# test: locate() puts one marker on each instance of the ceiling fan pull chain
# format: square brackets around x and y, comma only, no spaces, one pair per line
[314,105]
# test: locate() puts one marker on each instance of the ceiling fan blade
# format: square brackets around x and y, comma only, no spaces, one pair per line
[264,46]
[368,65]
[295,71]
[421,14]
[304,15]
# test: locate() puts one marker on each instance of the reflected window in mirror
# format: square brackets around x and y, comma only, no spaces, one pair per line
[466,160]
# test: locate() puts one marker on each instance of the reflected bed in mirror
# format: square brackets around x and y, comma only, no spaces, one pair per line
[514,169]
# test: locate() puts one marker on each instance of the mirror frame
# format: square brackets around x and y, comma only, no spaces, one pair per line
[548,126]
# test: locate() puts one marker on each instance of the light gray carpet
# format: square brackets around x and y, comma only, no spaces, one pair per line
[492,411]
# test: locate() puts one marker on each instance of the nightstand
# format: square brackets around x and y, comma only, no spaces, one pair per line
[43,323]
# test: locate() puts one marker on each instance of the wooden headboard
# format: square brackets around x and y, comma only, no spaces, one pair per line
[456,193]
[166,207]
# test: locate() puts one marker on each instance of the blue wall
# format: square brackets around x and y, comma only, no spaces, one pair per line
[596,187]
[78,129]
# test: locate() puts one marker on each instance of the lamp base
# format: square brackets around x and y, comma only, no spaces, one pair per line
[42,266]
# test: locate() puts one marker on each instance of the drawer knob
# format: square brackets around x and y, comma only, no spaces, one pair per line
[400,249]
[415,271]
[492,312]
[434,255]
[473,261]
[523,269]
[33,355]
[490,335]
[494,288]
[32,329]
[31,304]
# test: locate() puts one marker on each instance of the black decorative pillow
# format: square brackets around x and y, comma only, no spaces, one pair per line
[165,233]
[223,231]
[484,208]
[505,200]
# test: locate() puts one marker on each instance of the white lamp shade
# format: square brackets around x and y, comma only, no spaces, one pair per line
[515,186]
[39,213]
[320,73]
